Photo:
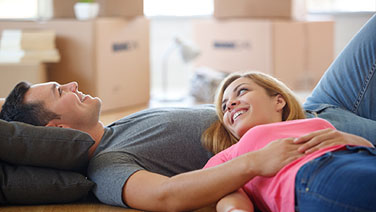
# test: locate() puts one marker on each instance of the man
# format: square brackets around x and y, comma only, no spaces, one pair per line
[145,160]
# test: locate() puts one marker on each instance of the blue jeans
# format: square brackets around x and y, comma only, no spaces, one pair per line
[346,94]
[338,181]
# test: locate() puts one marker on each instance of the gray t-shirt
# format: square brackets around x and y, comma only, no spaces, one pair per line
[166,141]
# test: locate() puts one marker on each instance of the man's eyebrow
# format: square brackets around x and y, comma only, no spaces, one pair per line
[53,89]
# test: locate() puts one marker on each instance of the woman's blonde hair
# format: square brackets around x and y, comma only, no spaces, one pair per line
[217,138]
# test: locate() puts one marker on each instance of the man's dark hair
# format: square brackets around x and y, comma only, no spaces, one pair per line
[15,109]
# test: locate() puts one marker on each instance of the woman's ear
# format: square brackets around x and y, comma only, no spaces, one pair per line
[280,102]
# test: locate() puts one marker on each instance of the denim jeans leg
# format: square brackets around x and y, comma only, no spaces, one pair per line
[349,82]
[347,121]
[339,181]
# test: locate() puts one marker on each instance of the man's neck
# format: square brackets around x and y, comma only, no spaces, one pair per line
[96,133]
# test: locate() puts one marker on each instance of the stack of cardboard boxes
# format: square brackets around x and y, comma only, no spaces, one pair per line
[269,36]
[23,54]
[108,56]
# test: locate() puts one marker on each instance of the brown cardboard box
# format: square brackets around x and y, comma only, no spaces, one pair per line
[63,8]
[12,73]
[291,9]
[108,57]
[297,52]
[107,8]
[125,8]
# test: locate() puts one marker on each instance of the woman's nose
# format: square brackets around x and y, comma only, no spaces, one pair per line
[231,104]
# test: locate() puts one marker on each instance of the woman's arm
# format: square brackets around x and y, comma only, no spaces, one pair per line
[329,137]
[150,191]
[235,202]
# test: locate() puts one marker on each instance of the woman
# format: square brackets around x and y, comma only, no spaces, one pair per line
[258,109]
[344,98]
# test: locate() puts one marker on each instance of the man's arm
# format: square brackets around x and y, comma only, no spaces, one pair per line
[237,201]
[149,191]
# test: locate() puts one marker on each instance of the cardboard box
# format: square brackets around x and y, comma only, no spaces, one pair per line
[290,9]
[12,73]
[107,8]
[296,52]
[108,57]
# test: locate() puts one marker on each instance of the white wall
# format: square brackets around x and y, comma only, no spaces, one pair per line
[347,24]
[163,30]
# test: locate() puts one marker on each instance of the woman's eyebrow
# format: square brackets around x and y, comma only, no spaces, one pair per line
[234,91]
[224,101]
[237,87]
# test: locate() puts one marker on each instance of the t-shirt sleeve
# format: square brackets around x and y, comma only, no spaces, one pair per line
[216,160]
[115,166]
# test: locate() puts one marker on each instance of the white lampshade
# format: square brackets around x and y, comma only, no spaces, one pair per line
[188,51]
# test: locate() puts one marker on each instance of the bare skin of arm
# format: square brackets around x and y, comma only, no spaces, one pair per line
[149,191]
[237,201]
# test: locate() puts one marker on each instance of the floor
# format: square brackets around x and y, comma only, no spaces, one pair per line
[108,117]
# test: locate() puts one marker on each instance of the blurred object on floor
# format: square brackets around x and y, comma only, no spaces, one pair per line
[204,84]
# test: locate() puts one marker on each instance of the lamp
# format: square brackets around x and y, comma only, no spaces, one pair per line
[187,51]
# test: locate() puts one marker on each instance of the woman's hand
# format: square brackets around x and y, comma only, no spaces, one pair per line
[328,137]
[274,156]
[237,201]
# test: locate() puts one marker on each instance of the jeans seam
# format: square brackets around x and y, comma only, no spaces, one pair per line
[365,87]
[335,202]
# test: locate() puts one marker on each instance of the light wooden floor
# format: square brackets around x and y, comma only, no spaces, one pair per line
[78,207]
[86,207]
[108,117]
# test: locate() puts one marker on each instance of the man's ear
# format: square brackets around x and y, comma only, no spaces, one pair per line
[2,100]
[280,102]
[56,123]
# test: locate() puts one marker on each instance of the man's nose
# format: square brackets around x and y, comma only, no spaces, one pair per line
[72,86]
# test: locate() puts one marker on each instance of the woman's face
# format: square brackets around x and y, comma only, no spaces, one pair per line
[245,104]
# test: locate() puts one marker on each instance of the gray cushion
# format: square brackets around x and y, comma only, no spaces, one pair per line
[52,147]
[34,164]
[33,185]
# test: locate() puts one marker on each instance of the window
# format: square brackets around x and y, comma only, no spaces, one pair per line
[25,9]
[341,5]
[178,7]
[28,9]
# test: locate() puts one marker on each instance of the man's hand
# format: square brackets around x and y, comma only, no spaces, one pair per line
[328,137]
[276,155]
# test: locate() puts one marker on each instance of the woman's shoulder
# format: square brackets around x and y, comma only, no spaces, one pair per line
[300,122]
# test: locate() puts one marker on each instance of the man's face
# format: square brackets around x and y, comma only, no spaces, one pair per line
[76,110]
